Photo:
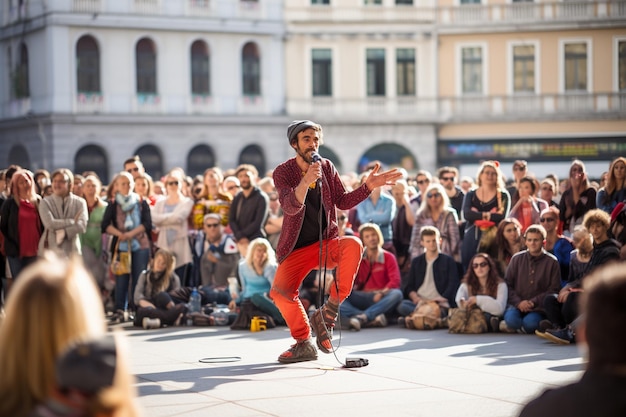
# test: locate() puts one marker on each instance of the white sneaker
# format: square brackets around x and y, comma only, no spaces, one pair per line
[148,323]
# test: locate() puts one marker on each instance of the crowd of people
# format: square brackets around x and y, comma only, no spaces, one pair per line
[520,252]
[422,236]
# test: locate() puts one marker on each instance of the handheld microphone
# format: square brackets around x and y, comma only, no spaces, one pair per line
[315,157]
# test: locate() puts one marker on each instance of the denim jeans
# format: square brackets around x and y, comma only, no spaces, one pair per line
[362,302]
[16,264]
[139,262]
[406,307]
[527,322]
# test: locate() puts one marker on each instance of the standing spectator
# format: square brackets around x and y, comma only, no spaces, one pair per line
[152,294]
[64,216]
[433,276]
[249,209]
[577,199]
[547,191]
[531,275]
[435,211]
[215,260]
[482,286]
[448,177]
[214,199]
[376,290]
[42,180]
[528,207]
[134,167]
[599,392]
[274,223]
[520,170]
[557,244]
[379,208]
[467,184]
[402,224]
[145,188]
[169,215]
[615,189]
[91,240]
[77,187]
[507,243]
[490,202]
[52,305]
[231,186]
[127,218]
[20,223]
[423,179]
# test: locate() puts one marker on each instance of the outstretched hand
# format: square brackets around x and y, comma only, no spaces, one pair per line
[377,179]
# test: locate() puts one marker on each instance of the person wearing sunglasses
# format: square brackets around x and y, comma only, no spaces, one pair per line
[215,257]
[134,167]
[557,244]
[435,211]
[531,275]
[448,177]
[483,287]
[169,216]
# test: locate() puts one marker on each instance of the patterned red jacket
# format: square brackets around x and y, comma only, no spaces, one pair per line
[286,177]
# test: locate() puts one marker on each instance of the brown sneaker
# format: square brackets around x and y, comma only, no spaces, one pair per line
[300,352]
[322,326]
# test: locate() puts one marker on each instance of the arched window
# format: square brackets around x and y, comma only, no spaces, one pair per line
[145,55]
[200,158]
[87,65]
[253,155]
[152,160]
[18,155]
[251,70]
[21,85]
[391,155]
[92,158]
[200,74]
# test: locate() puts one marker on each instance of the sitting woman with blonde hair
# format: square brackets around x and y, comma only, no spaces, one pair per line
[54,304]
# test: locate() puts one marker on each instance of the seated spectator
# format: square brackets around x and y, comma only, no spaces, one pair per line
[528,208]
[92,379]
[152,296]
[54,304]
[483,287]
[433,276]
[376,290]
[557,244]
[256,274]
[580,256]
[531,275]
[215,260]
[599,392]
[614,191]
[435,211]
[274,224]
[617,228]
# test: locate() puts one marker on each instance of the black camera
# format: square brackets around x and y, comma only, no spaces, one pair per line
[356,362]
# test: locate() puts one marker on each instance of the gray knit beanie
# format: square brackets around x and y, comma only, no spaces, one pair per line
[296,127]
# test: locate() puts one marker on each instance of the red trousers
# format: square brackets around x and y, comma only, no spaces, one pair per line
[344,253]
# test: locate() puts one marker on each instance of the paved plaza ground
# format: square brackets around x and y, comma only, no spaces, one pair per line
[215,371]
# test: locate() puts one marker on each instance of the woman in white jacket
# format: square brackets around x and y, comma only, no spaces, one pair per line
[169,216]
[482,286]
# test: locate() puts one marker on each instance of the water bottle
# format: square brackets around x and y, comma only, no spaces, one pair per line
[194,305]
[194,301]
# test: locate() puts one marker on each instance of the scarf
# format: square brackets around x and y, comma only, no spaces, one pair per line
[130,206]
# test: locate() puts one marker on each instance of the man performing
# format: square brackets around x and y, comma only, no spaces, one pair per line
[303,186]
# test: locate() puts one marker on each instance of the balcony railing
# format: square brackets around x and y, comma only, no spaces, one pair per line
[479,14]
[476,108]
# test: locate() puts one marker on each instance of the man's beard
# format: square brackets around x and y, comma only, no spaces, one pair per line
[304,156]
